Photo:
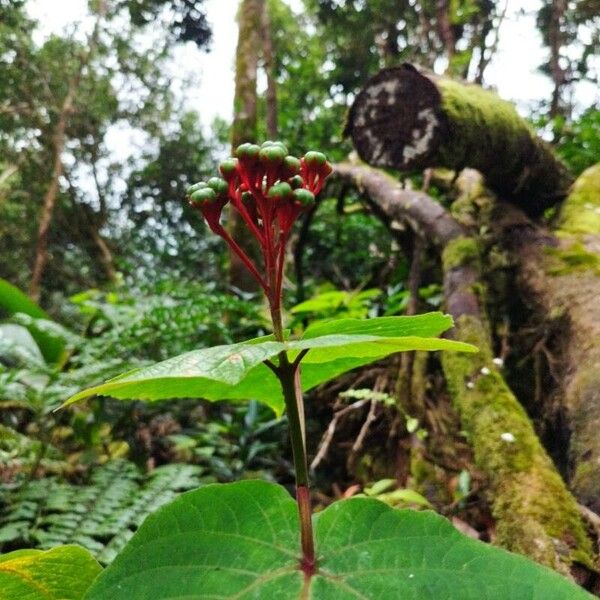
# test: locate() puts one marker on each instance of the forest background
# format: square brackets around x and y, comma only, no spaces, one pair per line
[109,110]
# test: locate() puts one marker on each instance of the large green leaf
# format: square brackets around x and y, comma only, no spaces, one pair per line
[63,573]
[240,541]
[13,300]
[236,371]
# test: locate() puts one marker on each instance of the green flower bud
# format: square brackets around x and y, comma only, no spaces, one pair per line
[196,186]
[292,165]
[296,182]
[304,197]
[247,151]
[228,167]
[219,186]
[272,155]
[315,159]
[280,191]
[203,195]
[266,144]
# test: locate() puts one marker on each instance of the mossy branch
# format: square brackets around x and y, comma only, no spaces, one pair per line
[542,524]
[559,276]
[407,119]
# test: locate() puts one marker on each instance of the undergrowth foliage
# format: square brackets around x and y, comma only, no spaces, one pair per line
[251,538]
[100,515]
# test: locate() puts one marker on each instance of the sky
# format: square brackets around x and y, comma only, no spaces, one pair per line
[513,71]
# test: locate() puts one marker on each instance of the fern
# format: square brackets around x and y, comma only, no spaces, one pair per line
[100,516]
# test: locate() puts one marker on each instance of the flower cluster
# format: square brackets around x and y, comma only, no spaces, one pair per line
[269,189]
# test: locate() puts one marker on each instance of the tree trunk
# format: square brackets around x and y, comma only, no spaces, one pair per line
[58,145]
[41,247]
[269,64]
[406,119]
[445,30]
[560,275]
[536,514]
[558,9]
[245,125]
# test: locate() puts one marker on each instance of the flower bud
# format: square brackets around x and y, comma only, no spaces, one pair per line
[202,196]
[272,155]
[247,152]
[195,186]
[270,143]
[219,186]
[228,168]
[291,166]
[280,191]
[296,182]
[304,197]
[315,159]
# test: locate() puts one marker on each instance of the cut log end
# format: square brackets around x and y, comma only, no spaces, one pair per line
[396,120]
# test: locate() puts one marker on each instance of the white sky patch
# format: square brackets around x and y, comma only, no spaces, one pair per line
[513,70]
[205,81]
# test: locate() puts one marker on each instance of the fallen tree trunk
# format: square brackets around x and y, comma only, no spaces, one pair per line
[560,275]
[536,514]
[407,119]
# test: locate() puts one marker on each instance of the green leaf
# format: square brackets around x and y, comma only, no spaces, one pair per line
[241,541]
[63,573]
[52,338]
[17,345]
[236,372]
[13,300]
[426,325]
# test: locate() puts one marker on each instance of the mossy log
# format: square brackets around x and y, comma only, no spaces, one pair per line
[536,514]
[560,276]
[409,119]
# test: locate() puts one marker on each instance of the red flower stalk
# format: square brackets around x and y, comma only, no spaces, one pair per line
[269,189]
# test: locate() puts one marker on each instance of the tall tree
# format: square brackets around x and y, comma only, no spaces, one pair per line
[245,121]
[58,102]
[59,137]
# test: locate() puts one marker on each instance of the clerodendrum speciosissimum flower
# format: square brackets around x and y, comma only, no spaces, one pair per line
[269,189]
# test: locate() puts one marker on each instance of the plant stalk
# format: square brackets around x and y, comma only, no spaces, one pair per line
[289,378]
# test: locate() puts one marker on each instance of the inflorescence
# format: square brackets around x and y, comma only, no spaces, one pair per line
[269,189]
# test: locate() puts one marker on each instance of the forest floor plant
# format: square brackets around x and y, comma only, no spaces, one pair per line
[250,539]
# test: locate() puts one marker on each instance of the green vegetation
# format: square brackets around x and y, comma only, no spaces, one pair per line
[145,392]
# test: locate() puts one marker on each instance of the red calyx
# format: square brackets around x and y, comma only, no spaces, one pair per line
[269,189]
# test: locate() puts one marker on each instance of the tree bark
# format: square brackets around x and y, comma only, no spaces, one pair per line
[558,9]
[58,146]
[407,119]
[269,64]
[245,125]
[560,276]
[51,195]
[536,514]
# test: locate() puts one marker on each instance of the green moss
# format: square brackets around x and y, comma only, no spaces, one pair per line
[468,108]
[580,213]
[487,134]
[536,515]
[460,252]
[573,258]
[582,399]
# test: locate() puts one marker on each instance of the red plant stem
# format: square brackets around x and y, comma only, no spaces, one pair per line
[308,562]
[289,379]
[280,263]
[239,205]
[242,256]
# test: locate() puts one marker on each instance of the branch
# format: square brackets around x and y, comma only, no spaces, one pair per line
[406,119]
